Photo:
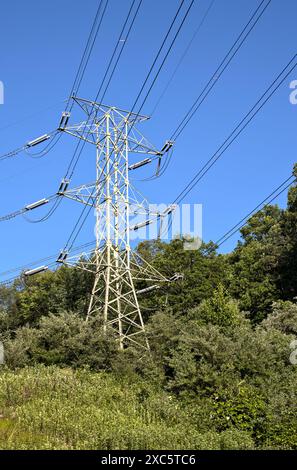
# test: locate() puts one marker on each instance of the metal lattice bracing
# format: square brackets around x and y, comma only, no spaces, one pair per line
[116,268]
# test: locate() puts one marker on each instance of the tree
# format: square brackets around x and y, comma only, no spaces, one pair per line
[220,309]
[203,270]
[287,267]
[254,263]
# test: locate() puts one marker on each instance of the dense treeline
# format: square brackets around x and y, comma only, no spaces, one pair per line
[221,372]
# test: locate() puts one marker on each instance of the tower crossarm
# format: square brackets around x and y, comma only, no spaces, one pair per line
[93,108]
[137,143]
[86,194]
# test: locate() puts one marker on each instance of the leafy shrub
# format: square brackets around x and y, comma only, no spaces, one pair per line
[64,339]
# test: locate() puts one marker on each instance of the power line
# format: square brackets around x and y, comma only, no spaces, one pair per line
[28,208]
[214,79]
[77,82]
[270,198]
[158,53]
[238,129]
[76,85]
[218,73]
[88,49]
[122,41]
[30,116]
[252,113]
[57,136]
[162,63]
[166,55]
[126,39]
[167,160]
[78,78]
[43,260]
[182,57]
[56,204]
[15,152]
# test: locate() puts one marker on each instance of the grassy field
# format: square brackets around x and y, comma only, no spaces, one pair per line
[52,408]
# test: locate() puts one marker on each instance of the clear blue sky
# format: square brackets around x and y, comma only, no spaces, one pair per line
[41,46]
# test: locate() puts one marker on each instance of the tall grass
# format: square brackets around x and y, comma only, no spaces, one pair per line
[53,408]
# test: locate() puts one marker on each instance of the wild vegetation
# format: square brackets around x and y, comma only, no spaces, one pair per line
[220,374]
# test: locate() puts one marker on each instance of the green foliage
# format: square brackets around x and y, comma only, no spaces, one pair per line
[245,409]
[64,339]
[220,309]
[218,375]
[252,279]
[51,292]
[264,265]
[202,269]
[283,318]
[83,410]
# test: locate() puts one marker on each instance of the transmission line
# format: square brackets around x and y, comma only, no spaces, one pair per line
[214,78]
[122,41]
[42,260]
[88,50]
[223,65]
[36,113]
[270,198]
[197,30]
[265,97]
[75,87]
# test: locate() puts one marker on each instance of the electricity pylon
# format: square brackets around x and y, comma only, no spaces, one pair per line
[117,268]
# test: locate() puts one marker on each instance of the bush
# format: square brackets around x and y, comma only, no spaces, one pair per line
[283,318]
[64,339]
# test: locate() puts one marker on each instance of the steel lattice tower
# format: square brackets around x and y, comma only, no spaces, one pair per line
[115,265]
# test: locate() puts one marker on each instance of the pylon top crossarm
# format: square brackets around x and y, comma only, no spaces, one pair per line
[122,128]
[136,141]
[92,108]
